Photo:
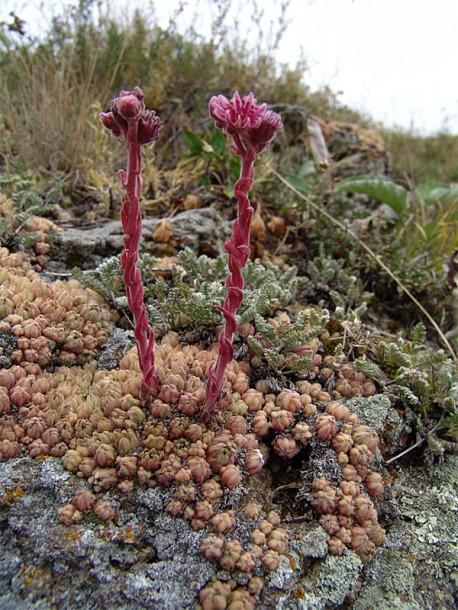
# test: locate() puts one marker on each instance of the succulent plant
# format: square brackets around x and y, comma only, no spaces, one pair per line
[129,118]
[252,128]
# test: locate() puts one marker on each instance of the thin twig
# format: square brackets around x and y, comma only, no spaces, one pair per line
[375,257]
[417,444]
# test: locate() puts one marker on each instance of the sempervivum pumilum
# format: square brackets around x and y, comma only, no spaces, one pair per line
[232,551]
[104,435]
[129,118]
[215,595]
[223,522]
[62,320]
[212,546]
[286,447]
[230,476]
[252,128]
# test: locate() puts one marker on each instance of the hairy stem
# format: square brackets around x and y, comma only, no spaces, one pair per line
[238,248]
[132,225]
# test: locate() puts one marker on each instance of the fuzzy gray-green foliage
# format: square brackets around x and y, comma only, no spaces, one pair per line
[266,289]
[277,346]
[202,268]
[197,288]
[19,187]
[369,368]
[106,280]
[10,230]
[425,382]
[343,287]
[27,202]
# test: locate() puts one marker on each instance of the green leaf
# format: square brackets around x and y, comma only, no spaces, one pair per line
[434,445]
[405,394]
[432,192]
[369,368]
[255,345]
[418,334]
[298,184]
[267,330]
[234,168]
[301,364]
[449,405]
[192,141]
[386,192]
[272,357]
[218,141]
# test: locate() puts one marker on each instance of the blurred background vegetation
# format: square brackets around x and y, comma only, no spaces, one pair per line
[54,85]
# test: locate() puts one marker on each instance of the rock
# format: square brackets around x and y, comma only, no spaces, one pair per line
[203,230]
[356,149]
[377,412]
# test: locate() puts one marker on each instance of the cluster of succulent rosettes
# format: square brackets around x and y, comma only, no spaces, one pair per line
[266,543]
[345,380]
[83,502]
[261,551]
[284,419]
[62,320]
[96,422]
[347,513]
[36,227]
[41,248]
[219,595]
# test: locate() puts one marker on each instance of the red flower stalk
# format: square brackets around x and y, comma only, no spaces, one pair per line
[129,118]
[252,129]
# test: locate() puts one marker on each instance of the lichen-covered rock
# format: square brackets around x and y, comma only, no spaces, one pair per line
[377,412]
[418,566]
[201,230]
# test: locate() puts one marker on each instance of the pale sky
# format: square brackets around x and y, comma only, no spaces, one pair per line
[392,59]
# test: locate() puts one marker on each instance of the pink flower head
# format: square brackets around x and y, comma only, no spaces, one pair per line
[244,121]
[128,110]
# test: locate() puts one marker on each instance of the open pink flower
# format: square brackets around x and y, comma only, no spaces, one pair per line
[242,119]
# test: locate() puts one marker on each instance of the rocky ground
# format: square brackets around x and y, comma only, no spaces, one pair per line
[282,500]
[147,559]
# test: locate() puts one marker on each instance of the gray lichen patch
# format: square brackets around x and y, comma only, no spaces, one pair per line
[418,565]
[390,583]
[378,413]
[337,578]
[314,544]
[145,558]
[46,564]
